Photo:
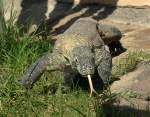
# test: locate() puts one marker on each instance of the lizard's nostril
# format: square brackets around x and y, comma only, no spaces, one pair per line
[84,68]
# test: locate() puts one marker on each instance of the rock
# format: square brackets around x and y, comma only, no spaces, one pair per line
[111,2]
[12,6]
[139,39]
[133,89]
[137,81]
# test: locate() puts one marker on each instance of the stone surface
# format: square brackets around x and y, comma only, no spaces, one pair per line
[12,5]
[139,39]
[133,88]
[111,2]
[127,16]
[136,81]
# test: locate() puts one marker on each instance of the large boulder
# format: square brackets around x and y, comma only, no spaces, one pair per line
[133,89]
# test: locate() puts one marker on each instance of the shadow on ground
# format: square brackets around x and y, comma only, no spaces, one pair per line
[124,111]
[34,12]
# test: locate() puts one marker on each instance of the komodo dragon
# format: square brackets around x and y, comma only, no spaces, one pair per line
[81,49]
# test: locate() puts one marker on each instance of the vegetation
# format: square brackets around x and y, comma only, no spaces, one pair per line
[128,63]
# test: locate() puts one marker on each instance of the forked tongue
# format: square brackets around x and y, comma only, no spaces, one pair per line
[91,86]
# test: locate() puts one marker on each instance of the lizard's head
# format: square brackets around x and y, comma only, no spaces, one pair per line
[109,33]
[83,60]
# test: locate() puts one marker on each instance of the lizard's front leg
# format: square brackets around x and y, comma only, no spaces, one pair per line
[103,61]
[69,76]
[48,62]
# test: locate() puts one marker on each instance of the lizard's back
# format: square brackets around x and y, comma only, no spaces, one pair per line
[82,33]
[85,27]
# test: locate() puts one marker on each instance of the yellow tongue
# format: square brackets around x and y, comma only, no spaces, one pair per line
[91,85]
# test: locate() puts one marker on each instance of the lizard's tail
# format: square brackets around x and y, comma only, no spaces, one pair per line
[33,73]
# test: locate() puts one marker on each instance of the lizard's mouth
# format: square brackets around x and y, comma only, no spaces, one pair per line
[91,86]
[85,72]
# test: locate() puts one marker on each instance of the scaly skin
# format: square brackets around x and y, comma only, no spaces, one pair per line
[109,33]
[49,62]
[80,49]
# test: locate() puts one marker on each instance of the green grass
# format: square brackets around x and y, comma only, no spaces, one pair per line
[128,63]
